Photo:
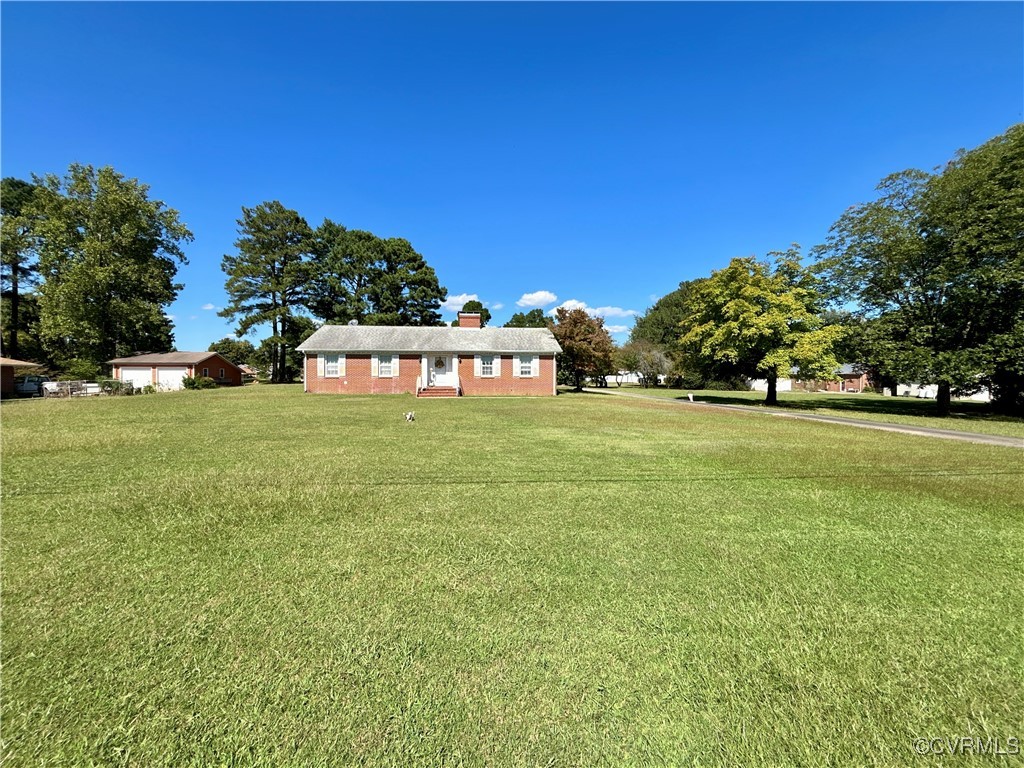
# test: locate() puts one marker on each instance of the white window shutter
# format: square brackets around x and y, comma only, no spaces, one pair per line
[319,365]
[341,365]
[497,365]
[515,366]
[394,365]
[535,366]
[373,366]
[476,366]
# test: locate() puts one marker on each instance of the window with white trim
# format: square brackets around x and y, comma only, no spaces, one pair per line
[385,366]
[206,372]
[332,366]
[222,373]
[526,365]
[487,365]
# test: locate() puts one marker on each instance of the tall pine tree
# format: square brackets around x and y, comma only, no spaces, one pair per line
[268,275]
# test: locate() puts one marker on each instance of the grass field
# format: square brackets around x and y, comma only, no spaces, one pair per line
[259,577]
[965,416]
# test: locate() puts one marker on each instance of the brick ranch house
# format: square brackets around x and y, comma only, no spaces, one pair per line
[430,362]
[166,371]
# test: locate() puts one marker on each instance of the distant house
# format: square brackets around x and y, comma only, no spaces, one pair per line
[851,379]
[166,371]
[430,361]
[7,366]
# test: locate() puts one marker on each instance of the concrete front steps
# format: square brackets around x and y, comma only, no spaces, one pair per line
[438,392]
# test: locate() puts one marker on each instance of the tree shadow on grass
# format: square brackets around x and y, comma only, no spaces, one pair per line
[853,404]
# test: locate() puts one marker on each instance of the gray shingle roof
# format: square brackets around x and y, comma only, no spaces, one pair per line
[391,338]
[166,358]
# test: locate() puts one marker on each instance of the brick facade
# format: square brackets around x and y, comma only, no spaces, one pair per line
[358,380]
[213,364]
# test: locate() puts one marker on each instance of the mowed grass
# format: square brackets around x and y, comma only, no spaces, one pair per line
[965,415]
[262,577]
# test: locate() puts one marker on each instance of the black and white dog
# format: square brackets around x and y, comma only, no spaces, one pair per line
[410,417]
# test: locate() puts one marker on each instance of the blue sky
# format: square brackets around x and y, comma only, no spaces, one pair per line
[593,153]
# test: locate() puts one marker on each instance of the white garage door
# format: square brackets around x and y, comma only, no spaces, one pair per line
[137,377]
[170,378]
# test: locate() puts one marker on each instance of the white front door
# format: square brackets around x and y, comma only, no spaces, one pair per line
[441,371]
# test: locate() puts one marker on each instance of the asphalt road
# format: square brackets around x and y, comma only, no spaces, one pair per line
[945,434]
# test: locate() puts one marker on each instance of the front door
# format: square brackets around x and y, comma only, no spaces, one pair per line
[441,371]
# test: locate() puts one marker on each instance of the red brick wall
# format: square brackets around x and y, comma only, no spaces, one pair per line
[357,379]
[506,383]
[232,374]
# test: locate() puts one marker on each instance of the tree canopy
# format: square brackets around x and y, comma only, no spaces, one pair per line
[661,324]
[238,351]
[475,306]
[587,349]
[355,275]
[936,263]
[535,318]
[763,319]
[268,275]
[18,267]
[108,255]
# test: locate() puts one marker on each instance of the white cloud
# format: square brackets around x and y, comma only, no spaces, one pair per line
[536,299]
[454,303]
[572,304]
[498,305]
[613,312]
[617,328]
[597,311]
[207,307]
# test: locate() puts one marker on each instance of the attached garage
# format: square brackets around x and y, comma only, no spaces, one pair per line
[166,371]
[137,376]
[169,378]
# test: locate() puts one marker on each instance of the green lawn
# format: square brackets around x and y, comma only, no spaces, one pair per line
[965,416]
[262,577]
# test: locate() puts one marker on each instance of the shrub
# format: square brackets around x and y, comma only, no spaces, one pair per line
[198,382]
[78,369]
[149,389]
[116,387]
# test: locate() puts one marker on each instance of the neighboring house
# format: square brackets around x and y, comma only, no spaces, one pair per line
[7,366]
[166,371]
[430,361]
[248,373]
[851,379]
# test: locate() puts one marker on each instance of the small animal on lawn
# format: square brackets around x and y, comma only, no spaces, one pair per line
[410,417]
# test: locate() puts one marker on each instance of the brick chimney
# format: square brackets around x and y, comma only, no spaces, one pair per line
[469,319]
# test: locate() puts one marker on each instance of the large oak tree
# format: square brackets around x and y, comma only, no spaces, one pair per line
[108,256]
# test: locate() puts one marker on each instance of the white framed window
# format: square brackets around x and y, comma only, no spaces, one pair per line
[206,372]
[222,373]
[526,365]
[487,365]
[385,366]
[332,366]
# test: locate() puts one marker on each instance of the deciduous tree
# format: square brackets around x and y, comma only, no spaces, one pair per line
[936,260]
[238,351]
[108,256]
[587,349]
[535,318]
[762,319]
[479,308]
